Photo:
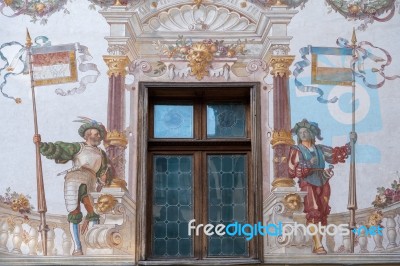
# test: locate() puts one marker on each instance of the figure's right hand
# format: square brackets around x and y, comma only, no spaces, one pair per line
[37,138]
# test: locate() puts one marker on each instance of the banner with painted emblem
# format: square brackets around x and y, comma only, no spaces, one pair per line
[338,65]
[54,64]
[326,66]
[51,65]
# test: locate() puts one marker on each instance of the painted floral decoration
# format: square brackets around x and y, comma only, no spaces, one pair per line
[17,202]
[387,196]
[36,9]
[375,219]
[218,48]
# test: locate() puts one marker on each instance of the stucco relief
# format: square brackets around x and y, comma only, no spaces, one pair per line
[205,18]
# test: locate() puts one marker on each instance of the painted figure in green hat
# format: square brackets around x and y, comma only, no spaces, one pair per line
[90,166]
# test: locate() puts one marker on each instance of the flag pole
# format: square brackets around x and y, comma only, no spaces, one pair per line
[352,201]
[41,198]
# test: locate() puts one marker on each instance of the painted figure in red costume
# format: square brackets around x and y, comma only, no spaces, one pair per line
[307,163]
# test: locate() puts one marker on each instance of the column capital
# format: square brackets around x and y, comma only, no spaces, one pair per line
[280,65]
[281,137]
[116,64]
[115,138]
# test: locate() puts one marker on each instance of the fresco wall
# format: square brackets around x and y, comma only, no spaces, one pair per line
[377,109]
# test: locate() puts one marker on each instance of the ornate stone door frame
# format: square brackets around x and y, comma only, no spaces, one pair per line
[136,31]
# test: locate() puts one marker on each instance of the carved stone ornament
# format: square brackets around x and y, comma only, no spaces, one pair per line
[279,49]
[292,202]
[116,64]
[117,49]
[189,18]
[115,138]
[280,65]
[281,137]
[200,58]
[105,203]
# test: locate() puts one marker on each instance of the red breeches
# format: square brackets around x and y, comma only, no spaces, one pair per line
[316,202]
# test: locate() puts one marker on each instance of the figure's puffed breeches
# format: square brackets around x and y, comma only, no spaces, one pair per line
[316,202]
[75,216]
[73,181]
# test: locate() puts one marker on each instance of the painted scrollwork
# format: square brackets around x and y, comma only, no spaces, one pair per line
[282,241]
[143,65]
[279,208]
[255,65]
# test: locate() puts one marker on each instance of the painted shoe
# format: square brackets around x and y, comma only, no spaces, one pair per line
[77,253]
[319,251]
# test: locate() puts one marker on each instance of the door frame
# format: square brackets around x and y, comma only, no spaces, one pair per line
[142,167]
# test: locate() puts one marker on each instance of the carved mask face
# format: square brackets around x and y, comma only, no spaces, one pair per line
[293,203]
[105,203]
[199,58]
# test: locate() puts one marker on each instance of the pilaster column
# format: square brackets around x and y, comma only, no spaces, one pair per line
[116,140]
[281,137]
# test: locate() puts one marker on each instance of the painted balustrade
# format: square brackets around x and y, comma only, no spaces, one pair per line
[365,242]
[19,234]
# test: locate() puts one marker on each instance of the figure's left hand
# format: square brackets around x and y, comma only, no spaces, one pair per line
[328,173]
[353,136]
[84,227]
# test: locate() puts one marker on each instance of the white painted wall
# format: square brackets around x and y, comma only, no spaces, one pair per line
[55,113]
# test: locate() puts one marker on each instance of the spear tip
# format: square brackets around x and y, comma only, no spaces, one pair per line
[354,38]
[28,38]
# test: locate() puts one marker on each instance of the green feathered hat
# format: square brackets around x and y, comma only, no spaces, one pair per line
[312,126]
[90,124]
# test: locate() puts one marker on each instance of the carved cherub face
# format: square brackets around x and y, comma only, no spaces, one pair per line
[292,202]
[105,203]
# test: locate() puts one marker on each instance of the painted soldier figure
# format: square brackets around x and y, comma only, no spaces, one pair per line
[307,163]
[89,167]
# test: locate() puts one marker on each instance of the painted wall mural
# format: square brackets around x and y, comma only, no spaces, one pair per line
[314,80]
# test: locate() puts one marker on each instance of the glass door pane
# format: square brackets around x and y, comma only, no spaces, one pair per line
[227,202]
[172,205]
